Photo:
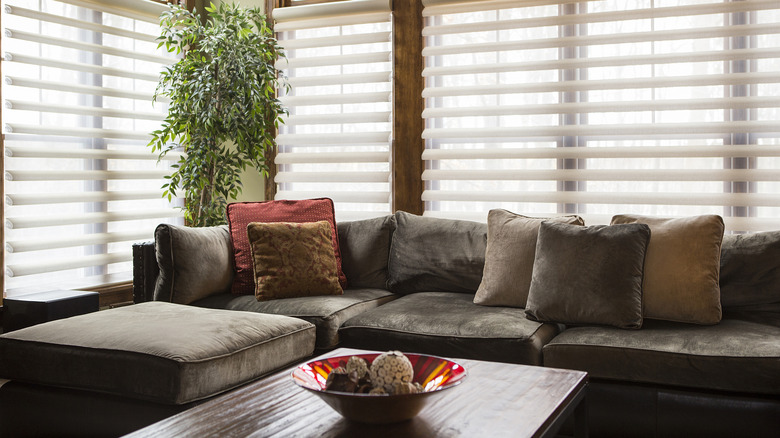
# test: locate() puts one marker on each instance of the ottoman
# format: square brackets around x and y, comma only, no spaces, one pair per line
[163,353]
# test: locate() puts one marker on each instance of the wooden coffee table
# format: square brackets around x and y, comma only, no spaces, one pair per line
[496,399]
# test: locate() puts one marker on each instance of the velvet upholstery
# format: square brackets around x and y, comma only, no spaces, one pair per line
[750,270]
[509,257]
[431,254]
[194,262]
[588,275]
[449,324]
[736,355]
[156,351]
[365,248]
[682,267]
[326,312]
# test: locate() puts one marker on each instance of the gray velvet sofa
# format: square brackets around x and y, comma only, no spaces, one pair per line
[412,282]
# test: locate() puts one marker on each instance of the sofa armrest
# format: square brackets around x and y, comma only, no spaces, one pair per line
[145,272]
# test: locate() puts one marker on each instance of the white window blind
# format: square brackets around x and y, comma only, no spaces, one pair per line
[336,141]
[81,185]
[659,107]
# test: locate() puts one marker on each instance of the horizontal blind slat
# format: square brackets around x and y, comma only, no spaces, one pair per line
[82,110]
[341,177]
[76,132]
[28,245]
[24,269]
[604,152]
[86,47]
[19,151]
[336,196]
[338,118]
[347,20]
[82,89]
[332,157]
[338,138]
[82,175]
[752,175]
[21,222]
[81,67]
[336,99]
[711,199]
[60,198]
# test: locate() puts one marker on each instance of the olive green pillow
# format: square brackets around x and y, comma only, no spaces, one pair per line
[588,275]
[293,259]
[509,257]
[682,268]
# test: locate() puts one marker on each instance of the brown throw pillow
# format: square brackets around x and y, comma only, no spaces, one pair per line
[588,275]
[682,267]
[509,258]
[293,259]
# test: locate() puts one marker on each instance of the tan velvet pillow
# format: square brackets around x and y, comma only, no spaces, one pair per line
[682,267]
[293,259]
[509,257]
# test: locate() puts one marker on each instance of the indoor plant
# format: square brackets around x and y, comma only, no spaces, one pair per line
[223,109]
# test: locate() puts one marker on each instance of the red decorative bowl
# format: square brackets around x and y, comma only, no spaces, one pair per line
[435,374]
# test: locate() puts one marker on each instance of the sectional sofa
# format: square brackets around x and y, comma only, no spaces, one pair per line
[412,284]
[421,284]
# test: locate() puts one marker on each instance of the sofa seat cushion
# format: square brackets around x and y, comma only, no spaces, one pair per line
[449,324]
[155,351]
[326,312]
[735,355]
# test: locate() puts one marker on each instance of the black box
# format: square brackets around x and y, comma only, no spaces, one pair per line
[26,310]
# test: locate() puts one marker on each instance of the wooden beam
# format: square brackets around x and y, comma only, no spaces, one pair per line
[408,124]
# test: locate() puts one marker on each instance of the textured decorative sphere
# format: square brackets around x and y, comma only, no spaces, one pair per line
[390,368]
[358,365]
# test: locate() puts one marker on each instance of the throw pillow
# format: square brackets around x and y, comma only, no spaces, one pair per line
[750,270]
[509,258]
[194,262]
[293,260]
[682,267]
[240,214]
[431,254]
[365,247]
[588,275]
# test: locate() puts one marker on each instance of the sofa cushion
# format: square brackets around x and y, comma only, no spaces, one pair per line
[194,262]
[449,324]
[750,269]
[326,312]
[293,260]
[735,355]
[431,254]
[365,248]
[589,275]
[155,351]
[509,257]
[240,214]
[682,267]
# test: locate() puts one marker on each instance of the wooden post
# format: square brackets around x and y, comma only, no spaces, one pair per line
[407,145]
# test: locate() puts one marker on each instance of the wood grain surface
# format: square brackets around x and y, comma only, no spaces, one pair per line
[496,399]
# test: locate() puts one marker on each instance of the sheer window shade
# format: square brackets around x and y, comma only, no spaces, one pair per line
[603,107]
[336,141]
[81,184]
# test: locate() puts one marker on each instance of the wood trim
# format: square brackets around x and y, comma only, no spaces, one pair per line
[114,294]
[408,124]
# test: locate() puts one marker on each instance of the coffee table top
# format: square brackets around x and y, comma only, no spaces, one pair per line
[495,399]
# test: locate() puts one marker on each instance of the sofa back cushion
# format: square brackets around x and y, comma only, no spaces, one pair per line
[194,262]
[750,269]
[365,249]
[431,254]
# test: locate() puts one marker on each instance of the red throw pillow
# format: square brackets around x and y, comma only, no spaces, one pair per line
[241,214]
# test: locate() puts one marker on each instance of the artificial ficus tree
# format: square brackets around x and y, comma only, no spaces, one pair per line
[222,110]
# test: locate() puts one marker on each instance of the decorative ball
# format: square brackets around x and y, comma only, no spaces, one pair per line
[357,365]
[390,368]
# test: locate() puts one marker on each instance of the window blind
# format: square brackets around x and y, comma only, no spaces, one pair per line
[336,141]
[658,107]
[81,185]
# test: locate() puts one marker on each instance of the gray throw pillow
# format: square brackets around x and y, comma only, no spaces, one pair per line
[365,248]
[589,275]
[509,259]
[431,254]
[750,269]
[194,262]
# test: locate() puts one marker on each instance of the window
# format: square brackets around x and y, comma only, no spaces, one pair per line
[81,184]
[659,107]
[336,141]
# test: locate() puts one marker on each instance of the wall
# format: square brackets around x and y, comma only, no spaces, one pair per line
[254,185]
